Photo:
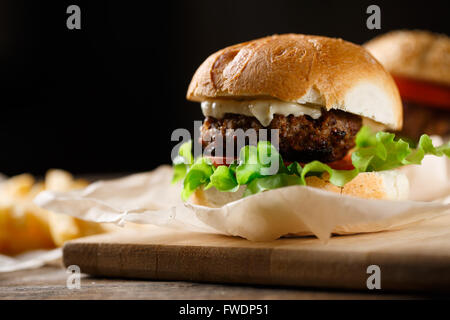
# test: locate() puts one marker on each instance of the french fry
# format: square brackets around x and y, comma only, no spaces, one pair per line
[62,227]
[16,188]
[22,229]
[58,180]
[24,226]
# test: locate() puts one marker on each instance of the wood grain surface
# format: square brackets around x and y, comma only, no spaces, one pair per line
[49,282]
[412,259]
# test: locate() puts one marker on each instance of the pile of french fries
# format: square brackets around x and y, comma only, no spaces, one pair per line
[24,226]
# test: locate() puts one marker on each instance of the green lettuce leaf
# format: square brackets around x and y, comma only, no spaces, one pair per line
[185,152]
[295,168]
[261,167]
[336,177]
[249,168]
[179,172]
[271,182]
[259,161]
[198,175]
[182,162]
[223,179]
[380,151]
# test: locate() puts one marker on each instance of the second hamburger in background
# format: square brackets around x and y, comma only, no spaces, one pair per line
[420,64]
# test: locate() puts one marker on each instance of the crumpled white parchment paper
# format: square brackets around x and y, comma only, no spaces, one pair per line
[29,260]
[150,198]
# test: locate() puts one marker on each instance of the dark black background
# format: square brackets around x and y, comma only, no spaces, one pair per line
[106,98]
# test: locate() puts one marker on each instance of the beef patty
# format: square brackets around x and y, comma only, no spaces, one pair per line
[303,139]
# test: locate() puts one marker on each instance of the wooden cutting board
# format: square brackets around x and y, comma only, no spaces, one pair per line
[416,258]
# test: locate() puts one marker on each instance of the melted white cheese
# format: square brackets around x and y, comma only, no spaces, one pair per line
[263,110]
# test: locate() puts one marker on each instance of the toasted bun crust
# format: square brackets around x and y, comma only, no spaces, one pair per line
[391,185]
[323,71]
[416,54]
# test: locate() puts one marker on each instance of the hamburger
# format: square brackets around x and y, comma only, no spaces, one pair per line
[324,99]
[419,62]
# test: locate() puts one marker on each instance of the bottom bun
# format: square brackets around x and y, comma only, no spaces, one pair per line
[389,185]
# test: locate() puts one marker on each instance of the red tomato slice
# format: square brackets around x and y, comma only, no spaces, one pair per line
[221,161]
[423,92]
[343,164]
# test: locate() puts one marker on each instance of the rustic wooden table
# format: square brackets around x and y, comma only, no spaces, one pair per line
[49,282]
